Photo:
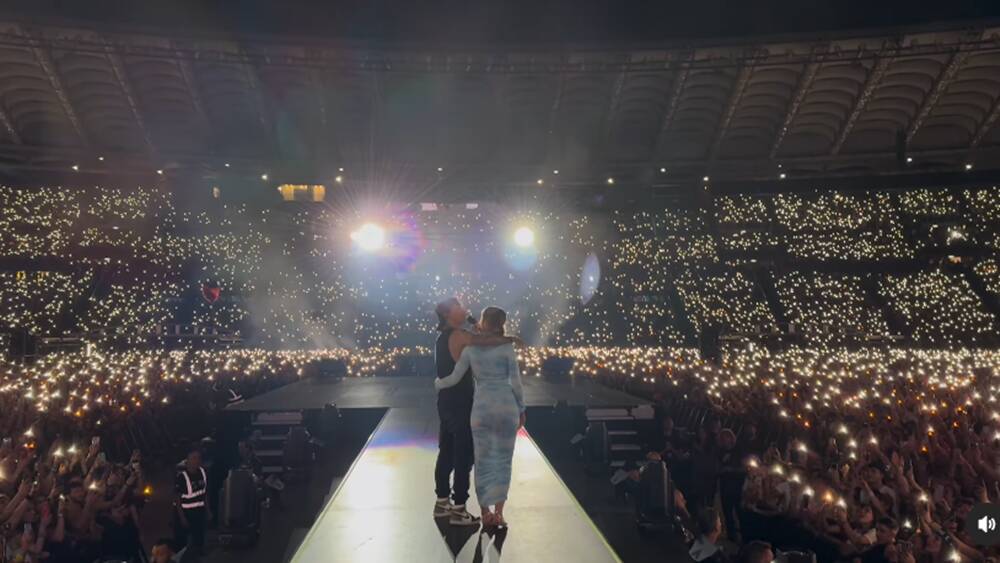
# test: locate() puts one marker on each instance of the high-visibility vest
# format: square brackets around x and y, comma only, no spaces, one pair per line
[194,498]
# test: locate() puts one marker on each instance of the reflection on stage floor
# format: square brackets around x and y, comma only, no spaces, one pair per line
[383,509]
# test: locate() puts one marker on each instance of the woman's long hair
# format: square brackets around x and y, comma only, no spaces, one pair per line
[494,317]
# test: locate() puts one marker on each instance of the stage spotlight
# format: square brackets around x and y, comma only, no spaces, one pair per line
[369,237]
[524,237]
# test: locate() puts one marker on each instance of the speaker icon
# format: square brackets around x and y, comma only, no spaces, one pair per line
[981,524]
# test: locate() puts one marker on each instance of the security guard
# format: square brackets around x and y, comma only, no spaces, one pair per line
[191,514]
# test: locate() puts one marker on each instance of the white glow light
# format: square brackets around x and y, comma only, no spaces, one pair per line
[369,237]
[524,237]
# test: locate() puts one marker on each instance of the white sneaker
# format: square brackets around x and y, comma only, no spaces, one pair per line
[461,517]
[442,508]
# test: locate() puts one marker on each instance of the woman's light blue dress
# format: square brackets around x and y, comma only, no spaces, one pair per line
[496,412]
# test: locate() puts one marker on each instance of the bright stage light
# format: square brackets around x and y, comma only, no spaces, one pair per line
[369,237]
[524,237]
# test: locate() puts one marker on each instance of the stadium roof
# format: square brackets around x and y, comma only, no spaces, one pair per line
[816,106]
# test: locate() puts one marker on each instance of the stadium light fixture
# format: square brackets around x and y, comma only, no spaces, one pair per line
[611,180]
[370,237]
[524,237]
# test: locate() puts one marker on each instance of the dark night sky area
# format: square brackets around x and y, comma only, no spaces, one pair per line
[510,21]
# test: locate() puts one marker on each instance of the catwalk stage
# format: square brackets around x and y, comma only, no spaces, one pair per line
[383,508]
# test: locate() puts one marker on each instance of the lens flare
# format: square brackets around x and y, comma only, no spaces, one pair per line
[590,278]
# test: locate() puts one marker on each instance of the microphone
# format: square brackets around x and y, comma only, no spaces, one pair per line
[470,319]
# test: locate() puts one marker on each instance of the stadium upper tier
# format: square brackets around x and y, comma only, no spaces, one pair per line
[818,106]
[840,267]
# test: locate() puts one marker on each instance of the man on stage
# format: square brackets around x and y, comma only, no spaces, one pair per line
[455,409]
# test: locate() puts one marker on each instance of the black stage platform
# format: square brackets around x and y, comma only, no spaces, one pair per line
[383,509]
[406,392]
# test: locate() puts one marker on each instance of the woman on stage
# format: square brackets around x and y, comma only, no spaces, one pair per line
[497,413]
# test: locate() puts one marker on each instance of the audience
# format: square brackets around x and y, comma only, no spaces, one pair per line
[821,443]
[707,545]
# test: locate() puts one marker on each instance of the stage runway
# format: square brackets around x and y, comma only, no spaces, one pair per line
[413,391]
[383,509]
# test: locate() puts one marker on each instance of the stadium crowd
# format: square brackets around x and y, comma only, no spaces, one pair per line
[80,428]
[856,451]
[115,264]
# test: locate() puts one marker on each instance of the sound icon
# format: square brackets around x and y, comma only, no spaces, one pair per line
[981,524]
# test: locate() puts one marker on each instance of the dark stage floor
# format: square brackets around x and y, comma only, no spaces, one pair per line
[412,392]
